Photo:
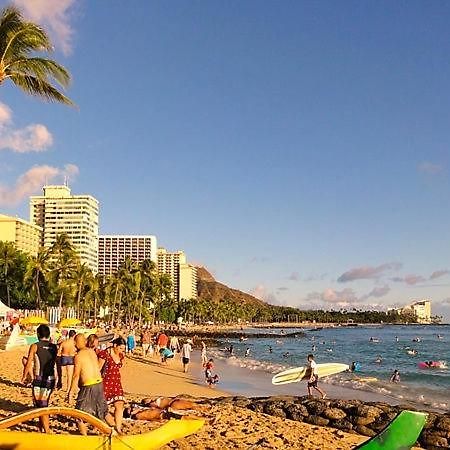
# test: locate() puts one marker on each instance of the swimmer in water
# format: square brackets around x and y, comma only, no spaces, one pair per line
[247,352]
[270,349]
[379,359]
[396,338]
[313,348]
[285,355]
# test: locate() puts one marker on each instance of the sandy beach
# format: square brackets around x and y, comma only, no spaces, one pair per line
[230,427]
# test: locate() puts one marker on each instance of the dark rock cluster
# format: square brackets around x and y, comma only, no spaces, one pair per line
[354,416]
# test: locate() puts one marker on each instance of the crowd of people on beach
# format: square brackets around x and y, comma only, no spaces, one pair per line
[92,374]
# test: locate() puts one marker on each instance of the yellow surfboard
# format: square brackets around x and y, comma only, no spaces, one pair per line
[303,373]
[18,440]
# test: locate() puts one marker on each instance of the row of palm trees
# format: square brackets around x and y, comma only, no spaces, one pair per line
[57,277]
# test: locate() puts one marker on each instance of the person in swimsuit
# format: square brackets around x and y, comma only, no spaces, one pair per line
[40,366]
[186,354]
[68,351]
[87,377]
[93,342]
[110,363]
[169,408]
[313,377]
[209,377]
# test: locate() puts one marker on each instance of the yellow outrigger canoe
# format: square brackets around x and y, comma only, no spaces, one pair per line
[19,440]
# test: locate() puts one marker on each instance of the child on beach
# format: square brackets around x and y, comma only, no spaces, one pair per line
[166,354]
[314,377]
[209,377]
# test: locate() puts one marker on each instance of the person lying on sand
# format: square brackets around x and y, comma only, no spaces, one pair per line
[172,402]
[171,408]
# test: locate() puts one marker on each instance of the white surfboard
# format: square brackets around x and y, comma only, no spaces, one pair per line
[303,373]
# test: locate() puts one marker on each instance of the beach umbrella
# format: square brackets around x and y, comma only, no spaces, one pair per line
[33,320]
[70,322]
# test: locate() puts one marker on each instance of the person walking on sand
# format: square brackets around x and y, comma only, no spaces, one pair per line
[67,352]
[40,366]
[186,354]
[131,342]
[313,377]
[110,362]
[146,339]
[87,377]
[203,354]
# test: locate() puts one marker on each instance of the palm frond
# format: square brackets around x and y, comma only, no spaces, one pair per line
[10,22]
[27,38]
[41,68]
[34,86]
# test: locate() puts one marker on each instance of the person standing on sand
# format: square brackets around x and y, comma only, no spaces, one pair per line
[186,354]
[87,377]
[131,342]
[146,338]
[67,352]
[162,341]
[93,343]
[174,345]
[313,377]
[203,354]
[40,366]
[110,362]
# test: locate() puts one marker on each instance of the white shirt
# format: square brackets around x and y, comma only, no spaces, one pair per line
[186,351]
[313,367]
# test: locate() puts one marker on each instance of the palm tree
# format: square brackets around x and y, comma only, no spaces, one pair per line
[19,42]
[37,267]
[64,262]
[7,262]
[162,289]
[81,276]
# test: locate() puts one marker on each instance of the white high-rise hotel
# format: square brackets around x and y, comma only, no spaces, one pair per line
[113,249]
[183,275]
[58,212]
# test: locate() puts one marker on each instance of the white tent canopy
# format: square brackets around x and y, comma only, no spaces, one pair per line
[4,309]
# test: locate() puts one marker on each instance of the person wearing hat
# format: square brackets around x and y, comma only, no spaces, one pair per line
[186,354]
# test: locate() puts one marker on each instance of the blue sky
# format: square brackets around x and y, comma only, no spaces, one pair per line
[280,144]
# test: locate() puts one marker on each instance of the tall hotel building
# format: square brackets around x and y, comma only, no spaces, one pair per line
[25,235]
[58,212]
[113,249]
[183,275]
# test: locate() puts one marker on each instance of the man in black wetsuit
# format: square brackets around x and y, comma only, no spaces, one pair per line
[40,366]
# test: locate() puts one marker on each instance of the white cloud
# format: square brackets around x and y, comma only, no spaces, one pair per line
[5,114]
[262,293]
[32,138]
[54,15]
[31,181]
[341,298]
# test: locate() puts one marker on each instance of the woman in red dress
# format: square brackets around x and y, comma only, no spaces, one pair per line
[110,362]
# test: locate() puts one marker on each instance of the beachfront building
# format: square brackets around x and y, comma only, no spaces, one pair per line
[25,235]
[182,274]
[421,310]
[114,248]
[188,282]
[58,212]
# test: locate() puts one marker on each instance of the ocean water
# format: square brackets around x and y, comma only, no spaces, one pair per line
[427,387]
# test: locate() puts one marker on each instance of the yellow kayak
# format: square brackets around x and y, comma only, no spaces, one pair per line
[18,440]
